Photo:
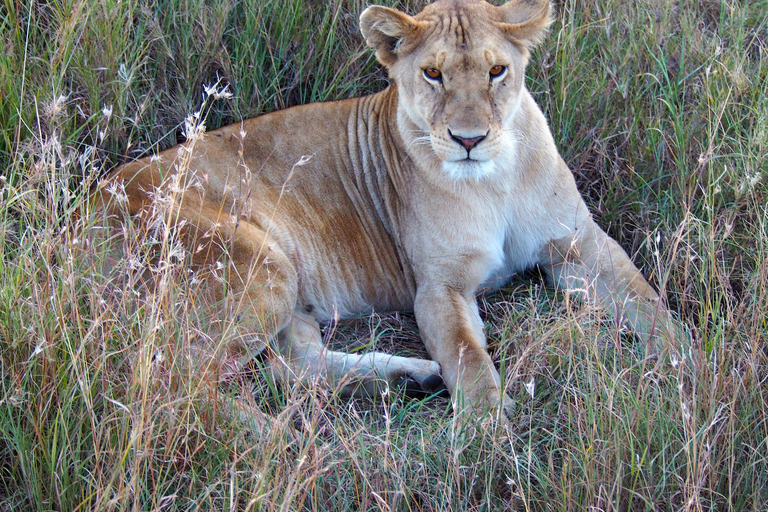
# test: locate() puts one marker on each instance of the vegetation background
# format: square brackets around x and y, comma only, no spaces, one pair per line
[660,107]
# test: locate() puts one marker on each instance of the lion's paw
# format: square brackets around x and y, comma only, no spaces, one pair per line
[423,382]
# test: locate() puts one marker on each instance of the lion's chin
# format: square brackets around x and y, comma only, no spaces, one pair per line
[468,169]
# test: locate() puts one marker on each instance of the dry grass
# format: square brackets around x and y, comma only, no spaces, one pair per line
[660,108]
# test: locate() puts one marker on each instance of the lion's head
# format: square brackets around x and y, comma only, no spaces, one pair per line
[459,68]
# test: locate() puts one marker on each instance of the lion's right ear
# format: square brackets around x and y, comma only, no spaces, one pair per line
[388,31]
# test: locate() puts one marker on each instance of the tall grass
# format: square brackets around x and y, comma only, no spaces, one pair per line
[660,108]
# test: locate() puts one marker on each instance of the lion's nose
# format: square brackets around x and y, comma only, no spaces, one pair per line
[467,142]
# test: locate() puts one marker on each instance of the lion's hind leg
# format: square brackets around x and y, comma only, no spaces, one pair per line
[251,284]
[306,359]
[258,288]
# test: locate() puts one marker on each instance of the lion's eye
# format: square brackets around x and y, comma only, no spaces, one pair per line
[496,71]
[433,74]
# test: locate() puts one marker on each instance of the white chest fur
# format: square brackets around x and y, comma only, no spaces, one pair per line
[505,218]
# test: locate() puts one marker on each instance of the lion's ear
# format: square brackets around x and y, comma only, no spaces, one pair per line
[525,22]
[388,31]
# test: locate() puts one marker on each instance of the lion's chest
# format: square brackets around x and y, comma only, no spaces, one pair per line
[485,240]
[474,242]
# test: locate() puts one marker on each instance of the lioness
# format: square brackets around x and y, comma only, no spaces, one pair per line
[414,198]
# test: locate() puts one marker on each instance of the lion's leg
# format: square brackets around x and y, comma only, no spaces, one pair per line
[306,358]
[253,282]
[251,278]
[261,297]
[593,264]
[451,328]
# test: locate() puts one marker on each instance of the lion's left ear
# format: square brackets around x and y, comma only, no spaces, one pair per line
[525,22]
[389,32]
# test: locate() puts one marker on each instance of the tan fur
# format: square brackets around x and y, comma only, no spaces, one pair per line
[393,212]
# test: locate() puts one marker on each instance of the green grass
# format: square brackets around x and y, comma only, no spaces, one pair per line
[659,107]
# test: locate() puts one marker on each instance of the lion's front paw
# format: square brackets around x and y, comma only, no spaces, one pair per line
[485,403]
[507,410]
[504,411]
[668,342]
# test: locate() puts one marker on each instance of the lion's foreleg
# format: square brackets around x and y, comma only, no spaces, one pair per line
[593,264]
[452,332]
